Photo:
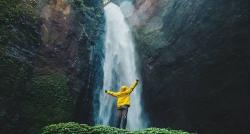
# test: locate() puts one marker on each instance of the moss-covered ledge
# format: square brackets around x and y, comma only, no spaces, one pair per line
[75,128]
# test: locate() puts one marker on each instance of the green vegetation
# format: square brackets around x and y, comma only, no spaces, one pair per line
[31,101]
[75,128]
[28,100]
[48,100]
[13,87]
[19,23]
[89,17]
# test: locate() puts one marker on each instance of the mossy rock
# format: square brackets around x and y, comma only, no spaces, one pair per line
[19,23]
[13,77]
[30,101]
[49,100]
[160,131]
[75,128]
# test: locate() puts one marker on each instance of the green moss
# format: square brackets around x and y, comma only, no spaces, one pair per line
[159,131]
[66,128]
[91,19]
[13,75]
[19,23]
[75,128]
[13,87]
[49,100]
[29,103]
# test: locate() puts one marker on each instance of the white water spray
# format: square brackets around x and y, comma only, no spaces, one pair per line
[119,69]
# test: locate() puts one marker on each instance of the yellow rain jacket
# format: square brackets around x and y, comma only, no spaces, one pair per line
[123,96]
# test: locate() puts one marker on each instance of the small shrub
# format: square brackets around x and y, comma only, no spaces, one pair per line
[75,128]
[66,128]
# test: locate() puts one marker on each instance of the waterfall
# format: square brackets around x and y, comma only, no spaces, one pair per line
[119,68]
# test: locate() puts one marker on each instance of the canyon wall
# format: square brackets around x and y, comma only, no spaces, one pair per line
[46,62]
[195,63]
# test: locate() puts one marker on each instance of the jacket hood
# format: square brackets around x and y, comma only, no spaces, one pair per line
[123,88]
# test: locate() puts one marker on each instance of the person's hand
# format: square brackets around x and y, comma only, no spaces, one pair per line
[106,91]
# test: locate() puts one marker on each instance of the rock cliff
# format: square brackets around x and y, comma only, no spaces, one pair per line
[46,62]
[195,63]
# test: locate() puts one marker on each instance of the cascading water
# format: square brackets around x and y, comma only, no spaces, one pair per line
[119,69]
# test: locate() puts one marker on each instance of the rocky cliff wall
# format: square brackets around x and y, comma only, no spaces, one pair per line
[46,62]
[195,63]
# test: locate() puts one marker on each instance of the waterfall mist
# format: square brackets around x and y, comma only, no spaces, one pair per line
[119,68]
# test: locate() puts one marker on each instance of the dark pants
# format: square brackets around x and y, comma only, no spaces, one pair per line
[122,117]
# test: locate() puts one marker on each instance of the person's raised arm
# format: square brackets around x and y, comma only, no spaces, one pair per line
[132,86]
[115,94]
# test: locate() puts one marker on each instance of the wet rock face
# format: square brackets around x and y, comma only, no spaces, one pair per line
[45,62]
[71,34]
[143,11]
[68,31]
[195,64]
[56,25]
[59,40]
[56,29]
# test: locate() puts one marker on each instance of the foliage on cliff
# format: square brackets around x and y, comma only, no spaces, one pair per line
[34,92]
[90,17]
[48,100]
[72,128]
[28,99]
[30,102]
[13,77]
[19,23]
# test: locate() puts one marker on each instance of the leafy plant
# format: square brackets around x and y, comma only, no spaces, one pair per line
[19,23]
[75,128]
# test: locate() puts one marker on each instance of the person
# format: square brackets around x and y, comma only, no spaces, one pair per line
[123,103]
